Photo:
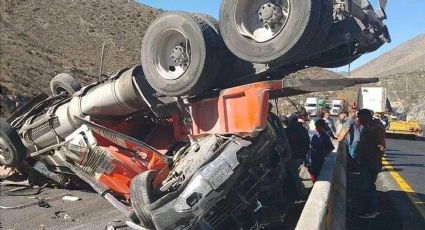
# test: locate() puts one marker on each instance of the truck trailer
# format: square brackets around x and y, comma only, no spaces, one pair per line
[337,106]
[185,140]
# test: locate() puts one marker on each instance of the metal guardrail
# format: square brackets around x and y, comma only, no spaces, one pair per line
[326,205]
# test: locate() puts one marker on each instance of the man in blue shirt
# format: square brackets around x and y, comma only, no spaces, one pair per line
[350,135]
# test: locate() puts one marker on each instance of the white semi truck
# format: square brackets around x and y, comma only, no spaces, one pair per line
[312,106]
[372,98]
[337,106]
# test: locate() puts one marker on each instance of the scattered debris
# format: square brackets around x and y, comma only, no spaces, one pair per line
[6,172]
[15,183]
[71,198]
[57,213]
[41,202]
[67,217]
[116,224]
[25,190]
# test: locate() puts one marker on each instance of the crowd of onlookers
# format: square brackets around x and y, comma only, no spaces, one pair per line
[362,136]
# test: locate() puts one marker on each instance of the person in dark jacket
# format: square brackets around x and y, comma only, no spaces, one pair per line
[371,149]
[299,139]
[321,146]
[299,142]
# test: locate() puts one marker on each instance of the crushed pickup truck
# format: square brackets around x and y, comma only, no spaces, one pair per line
[186,141]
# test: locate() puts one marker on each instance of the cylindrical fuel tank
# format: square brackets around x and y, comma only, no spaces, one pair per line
[118,96]
[115,97]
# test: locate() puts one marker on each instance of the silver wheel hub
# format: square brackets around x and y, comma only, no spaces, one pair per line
[172,54]
[179,56]
[270,14]
[261,20]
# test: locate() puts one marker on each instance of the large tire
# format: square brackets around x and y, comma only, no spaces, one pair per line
[322,30]
[12,151]
[141,195]
[231,69]
[297,32]
[64,82]
[202,62]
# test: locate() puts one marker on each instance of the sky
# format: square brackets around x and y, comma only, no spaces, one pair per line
[406,20]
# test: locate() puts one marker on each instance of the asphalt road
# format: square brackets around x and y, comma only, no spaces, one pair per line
[91,212]
[400,209]
[407,158]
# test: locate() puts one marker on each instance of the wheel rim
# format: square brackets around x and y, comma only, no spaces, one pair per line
[262,20]
[60,90]
[3,150]
[172,54]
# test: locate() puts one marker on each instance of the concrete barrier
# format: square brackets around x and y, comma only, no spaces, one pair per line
[326,205]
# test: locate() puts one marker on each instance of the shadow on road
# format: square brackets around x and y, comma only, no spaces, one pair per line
[409,165]
[392,170]
[389,154]
[397,211]
[405,137]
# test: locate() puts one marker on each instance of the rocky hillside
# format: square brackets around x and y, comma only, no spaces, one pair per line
[285,104]
[42,38]
[402,72]
[406,58]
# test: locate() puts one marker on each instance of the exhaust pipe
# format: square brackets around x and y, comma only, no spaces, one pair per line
[116,97]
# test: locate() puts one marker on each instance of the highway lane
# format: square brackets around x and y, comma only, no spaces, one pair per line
[408,158]
[401,189]
[403,178]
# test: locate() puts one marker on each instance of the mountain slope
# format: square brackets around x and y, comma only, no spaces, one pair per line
[406,58]
[40,39]
[402,73]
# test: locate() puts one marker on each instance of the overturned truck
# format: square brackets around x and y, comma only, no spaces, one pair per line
[186,140]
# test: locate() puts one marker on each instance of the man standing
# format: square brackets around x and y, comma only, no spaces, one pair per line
[321,146]
[330,124]
[371,150]
[342,118]
[299,141]
[350,135]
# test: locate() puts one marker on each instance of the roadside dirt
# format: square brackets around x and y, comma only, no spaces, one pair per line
[42,38]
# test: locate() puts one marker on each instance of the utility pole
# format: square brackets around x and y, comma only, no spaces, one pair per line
[407,88]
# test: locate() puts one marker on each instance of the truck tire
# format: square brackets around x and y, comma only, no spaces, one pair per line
[141,195]
[64,82]
[274,40]
[12,151]
[228,61]
[322,30]
[211,21]
[179,54]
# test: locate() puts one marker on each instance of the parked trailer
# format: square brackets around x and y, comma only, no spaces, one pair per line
[312,106]
[374,99]
[337,106]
